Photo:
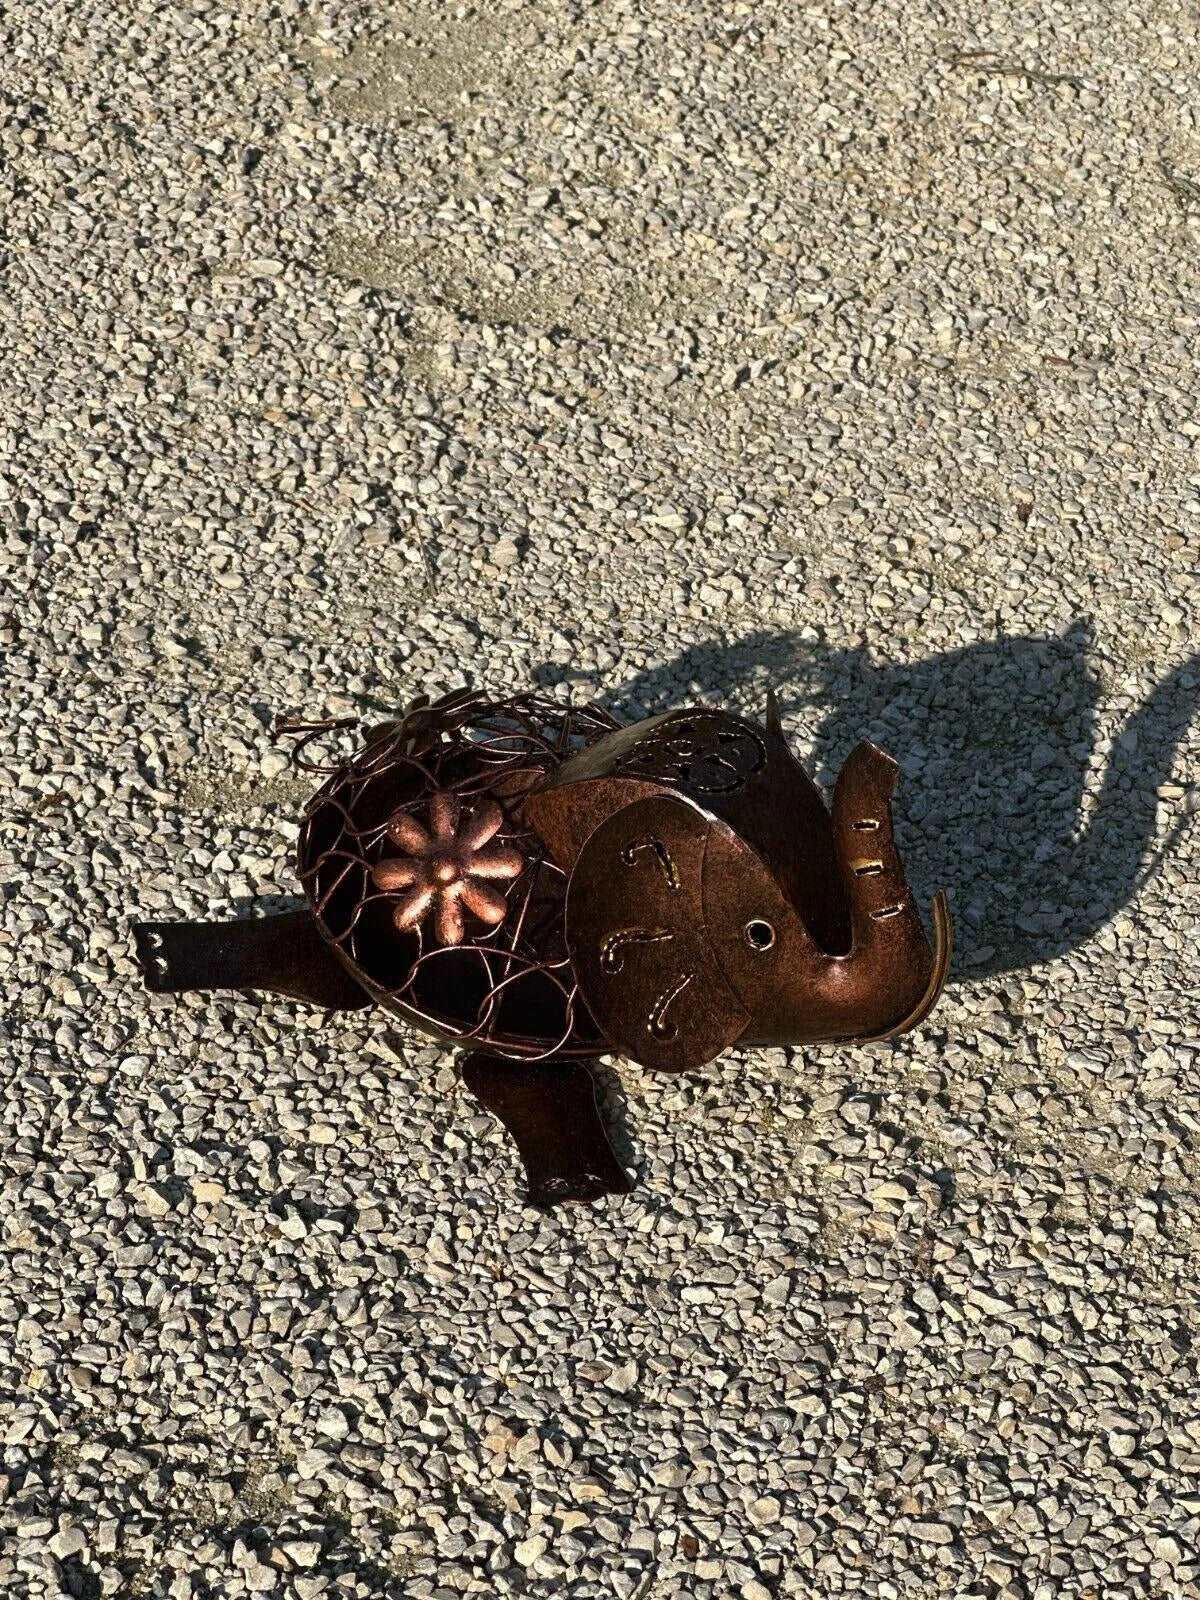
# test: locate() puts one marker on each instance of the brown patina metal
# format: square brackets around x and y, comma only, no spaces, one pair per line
[539,885]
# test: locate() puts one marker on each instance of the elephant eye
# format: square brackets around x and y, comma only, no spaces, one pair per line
[760,935]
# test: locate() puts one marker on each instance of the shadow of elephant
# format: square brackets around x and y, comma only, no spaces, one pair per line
[996,742]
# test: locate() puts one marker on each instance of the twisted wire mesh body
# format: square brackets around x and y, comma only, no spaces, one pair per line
[509,988]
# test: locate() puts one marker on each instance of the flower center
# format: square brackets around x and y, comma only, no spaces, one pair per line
[444,869]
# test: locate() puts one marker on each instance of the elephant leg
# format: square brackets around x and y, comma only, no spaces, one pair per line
[281,954]
[550,1109]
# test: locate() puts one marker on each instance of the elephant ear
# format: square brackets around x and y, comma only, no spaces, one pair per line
[637,937]
[565,815]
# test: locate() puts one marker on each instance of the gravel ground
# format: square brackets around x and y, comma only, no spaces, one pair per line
[646,350]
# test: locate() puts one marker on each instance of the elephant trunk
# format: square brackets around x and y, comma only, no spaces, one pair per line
[890,976]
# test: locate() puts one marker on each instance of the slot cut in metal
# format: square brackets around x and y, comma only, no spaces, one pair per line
[656,1022]
[612,951]
[661,854]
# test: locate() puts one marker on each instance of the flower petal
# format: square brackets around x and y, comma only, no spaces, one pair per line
[479,827]
[487,904]
[449,920]
[444,811]
[498,861]
[410,909]
[410,835]
[399,872]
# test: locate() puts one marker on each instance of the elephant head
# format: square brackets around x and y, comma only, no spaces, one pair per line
[714,898]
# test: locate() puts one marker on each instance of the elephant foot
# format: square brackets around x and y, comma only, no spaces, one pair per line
[550,1109]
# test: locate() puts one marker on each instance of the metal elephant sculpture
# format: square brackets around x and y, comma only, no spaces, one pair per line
[541,886]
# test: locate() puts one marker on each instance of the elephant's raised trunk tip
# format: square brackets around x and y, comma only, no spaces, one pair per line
[943,950]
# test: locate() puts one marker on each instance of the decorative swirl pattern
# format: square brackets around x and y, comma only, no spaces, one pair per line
[704,752]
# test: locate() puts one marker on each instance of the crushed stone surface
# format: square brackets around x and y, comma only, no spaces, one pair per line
[646,352]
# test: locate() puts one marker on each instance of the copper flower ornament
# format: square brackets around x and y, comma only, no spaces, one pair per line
[448,867]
